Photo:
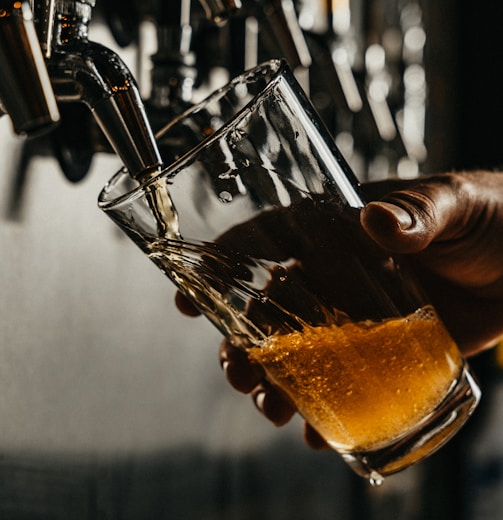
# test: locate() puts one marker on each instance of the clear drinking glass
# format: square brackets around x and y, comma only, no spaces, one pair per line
[256,221]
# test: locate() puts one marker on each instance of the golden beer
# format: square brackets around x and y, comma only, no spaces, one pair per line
[363,385]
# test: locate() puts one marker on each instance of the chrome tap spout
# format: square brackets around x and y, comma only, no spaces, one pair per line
[85,71]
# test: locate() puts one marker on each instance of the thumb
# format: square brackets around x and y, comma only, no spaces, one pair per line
[407,221]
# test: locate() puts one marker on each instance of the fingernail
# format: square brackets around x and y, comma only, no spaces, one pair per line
[403,217]
[259,399]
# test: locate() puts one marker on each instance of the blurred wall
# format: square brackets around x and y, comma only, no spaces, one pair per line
[465,106]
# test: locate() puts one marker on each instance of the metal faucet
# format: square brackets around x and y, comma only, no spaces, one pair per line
[85,71]
[25,89]
[63,65]
[174,64]
[196,44]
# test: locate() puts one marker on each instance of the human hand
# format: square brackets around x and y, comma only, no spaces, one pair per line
[449,227]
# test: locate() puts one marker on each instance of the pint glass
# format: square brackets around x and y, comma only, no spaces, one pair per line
[256,220]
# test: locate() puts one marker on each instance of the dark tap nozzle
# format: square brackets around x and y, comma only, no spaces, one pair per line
[220,10]
[85,71]
[25,89]
[174,70]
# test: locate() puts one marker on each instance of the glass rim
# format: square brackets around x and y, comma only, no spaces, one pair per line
[276,66]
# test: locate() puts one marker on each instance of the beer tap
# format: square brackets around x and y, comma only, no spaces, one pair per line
[87,72]
[25,89]
[280,32]
[174,64]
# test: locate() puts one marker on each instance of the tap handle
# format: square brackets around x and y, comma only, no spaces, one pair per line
[25,88]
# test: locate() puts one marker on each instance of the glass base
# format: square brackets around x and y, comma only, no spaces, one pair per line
[429,436]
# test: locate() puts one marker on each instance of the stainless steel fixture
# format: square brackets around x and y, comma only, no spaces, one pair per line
[80,71]
[360,62]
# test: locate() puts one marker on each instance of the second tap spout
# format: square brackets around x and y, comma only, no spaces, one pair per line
[25,90]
